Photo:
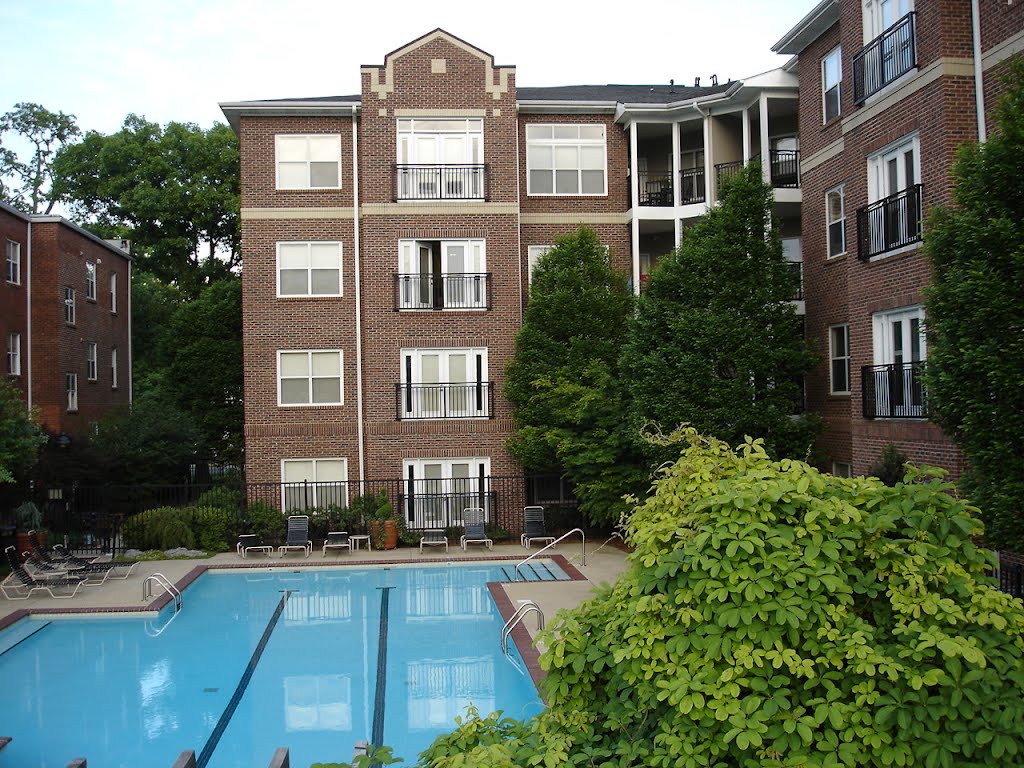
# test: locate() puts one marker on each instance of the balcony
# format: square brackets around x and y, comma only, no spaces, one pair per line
[796,269]
[691,186]
[470,400]
[440,182]
[886,58]
[894,391]
[467,290]
[891,223]
[785,168]
[655,187]
[726,171]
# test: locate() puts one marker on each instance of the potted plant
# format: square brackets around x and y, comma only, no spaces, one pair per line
[29,521]
[385,533]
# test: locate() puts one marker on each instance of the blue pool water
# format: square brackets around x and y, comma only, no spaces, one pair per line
[262,659]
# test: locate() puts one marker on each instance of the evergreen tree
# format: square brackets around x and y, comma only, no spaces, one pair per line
[975,374]
[716,342]
[567,400]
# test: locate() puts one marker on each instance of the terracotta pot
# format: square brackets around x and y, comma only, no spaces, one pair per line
[23,543]
[390,534]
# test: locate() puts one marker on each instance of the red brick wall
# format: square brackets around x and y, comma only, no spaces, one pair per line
[14,297]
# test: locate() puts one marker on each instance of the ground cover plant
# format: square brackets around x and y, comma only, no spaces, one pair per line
[777,616]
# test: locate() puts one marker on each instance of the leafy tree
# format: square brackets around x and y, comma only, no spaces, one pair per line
[975,341]
[20,436]
[154,305]
[32,189]
[567,400]
[716,342]
[777,616]
[173,190]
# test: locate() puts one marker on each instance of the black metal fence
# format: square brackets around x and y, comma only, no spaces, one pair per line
[889,56]
[1011,573]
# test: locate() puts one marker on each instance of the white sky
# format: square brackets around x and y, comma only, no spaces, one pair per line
[176,59]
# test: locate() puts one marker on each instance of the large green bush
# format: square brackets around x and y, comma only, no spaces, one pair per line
[777,616]
[160,528]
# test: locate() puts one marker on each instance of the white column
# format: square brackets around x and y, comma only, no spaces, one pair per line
[710,185]
[676,145]
[634,199]
[766,162]
[746,135]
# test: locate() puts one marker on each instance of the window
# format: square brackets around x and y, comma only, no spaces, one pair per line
[69,306]
[835,220]
[71,389]
[566,160]
[889,50]
[309,269]
[308,162]
[311,483]
[880,15]
[893,387]
[90,361]
[13,353]
[893,219]
[839,355]
[438,490]
[440,158]
[113,367]
[90,281]
[444,384]
[831,77]
[13,262]
[842,469]
[113,291]
[309,377]
[442,274]
[534,252]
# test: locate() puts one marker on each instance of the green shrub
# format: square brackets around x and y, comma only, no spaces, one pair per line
[212,527]
[221,496]
[161,528]
[264,521]
[891,466]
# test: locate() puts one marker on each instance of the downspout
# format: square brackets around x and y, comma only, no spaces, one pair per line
[131,351]
[359,313]
[28,312]
[979,78]
[709,167]
[519,227]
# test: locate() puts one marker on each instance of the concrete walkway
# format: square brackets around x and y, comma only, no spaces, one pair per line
[604,564]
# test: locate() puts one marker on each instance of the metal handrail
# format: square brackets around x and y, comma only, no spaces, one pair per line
[524,608]
[583,536]
[159,578]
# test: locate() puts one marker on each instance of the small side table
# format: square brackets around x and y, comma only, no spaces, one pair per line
[357,539]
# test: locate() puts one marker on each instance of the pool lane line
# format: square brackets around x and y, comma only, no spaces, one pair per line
[26,637]
[243,683]
[377,738]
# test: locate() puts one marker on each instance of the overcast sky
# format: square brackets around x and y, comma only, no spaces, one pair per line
[176,59]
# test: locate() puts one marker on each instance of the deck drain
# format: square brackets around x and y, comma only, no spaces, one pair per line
[210,690]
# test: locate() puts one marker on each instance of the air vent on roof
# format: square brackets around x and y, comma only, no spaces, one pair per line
[124,245]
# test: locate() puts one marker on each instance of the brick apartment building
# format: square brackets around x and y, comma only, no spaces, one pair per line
[388,238]
[889,89]
[64,320]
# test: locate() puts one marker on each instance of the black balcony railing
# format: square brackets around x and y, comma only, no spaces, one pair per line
[785,167]
[894,391]
[471,400]
[891,223]
[889,56]
[655,187]
[797,269]
[426,291]
[441,182]
[691,186]
[726,171]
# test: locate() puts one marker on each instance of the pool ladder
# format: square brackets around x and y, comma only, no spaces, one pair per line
[539,552]
[526,607]
[147,593]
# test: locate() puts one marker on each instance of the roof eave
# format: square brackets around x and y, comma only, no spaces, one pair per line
[543,107]
[234,110]
[809,28]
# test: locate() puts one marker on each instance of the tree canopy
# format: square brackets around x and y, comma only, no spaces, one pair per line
[562,381]
[20,436]
[974,319]
[777,616]
[28,184]
[716,342]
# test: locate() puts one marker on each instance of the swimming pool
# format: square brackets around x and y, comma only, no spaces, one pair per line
[314,660]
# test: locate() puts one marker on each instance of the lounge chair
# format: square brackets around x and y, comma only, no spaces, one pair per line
[434,537]
[298,535]
[19,584]
[250,542]
[337,540]
[72,562]
[533,523]
[475,530]
[43,571]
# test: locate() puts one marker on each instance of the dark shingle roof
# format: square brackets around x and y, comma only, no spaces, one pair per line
[627,94]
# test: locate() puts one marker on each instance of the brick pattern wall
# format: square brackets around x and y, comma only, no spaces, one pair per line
[14,297]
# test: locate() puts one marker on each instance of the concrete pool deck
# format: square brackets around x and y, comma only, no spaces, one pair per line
[605,561]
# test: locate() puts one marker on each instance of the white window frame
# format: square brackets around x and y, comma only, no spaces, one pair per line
[440,501]
[439,141]
[71,390]
[318,255]
[13,270]
[835,355]
[533,254]
[336,493]
[894,344]
[444,403]
[113,367]
[13,367]
[113,292]
[538,145]
[327,149]
[880,185]
[839,192]
[90,281]
[875,13]
[416,265]
[69,305]
[833,58]
[90,361]
[842,469]
[293,354]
